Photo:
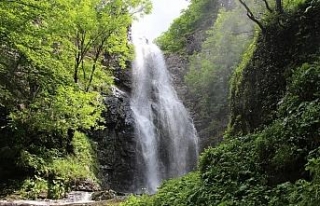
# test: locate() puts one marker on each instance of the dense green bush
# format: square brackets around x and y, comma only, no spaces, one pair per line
[55,173]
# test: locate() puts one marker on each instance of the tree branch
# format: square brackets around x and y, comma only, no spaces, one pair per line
[252,17]
[267,6]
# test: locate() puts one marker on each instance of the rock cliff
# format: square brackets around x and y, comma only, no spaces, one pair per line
[116,144]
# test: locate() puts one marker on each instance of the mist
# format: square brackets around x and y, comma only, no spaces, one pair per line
[163,13]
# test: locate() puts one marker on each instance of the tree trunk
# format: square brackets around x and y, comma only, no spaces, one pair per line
[279,8]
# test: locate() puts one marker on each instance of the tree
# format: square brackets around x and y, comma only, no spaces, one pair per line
[98,29]
[278,9]
[51,69]
[40,39]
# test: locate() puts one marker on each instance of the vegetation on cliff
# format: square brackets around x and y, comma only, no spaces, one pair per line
[270,154]
[213,52]
[198,17]
[56,58]
[210,70]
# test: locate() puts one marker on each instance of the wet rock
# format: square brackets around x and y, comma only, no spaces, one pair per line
[116,144]
[122,79]
[104,195]
[177,66]
[195,41]
[87,185]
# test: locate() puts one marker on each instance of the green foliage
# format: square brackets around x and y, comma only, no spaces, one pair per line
[231,174]
[55,59]
[178,191]
[81,164]
[199,15]
[143,200]
[210,69]
[292,5]
[49,112]
[54,174]
[259,87]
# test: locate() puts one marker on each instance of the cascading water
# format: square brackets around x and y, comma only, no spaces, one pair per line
[167,140]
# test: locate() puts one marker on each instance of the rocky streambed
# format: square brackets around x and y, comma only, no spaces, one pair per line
[108,197]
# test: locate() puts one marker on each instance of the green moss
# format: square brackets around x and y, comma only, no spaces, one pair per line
[246,57]
[236,79]
[260,82]
[143,200]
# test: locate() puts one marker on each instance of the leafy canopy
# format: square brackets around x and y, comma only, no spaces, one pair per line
[56,58]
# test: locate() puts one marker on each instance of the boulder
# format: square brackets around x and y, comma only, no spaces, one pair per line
[103,195]
[87,185]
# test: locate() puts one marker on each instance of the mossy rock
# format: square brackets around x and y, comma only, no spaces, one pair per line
[103,195]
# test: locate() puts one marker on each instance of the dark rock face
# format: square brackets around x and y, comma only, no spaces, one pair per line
[177,66]
[116,144]
[123,79]
[262,84]
[195,40]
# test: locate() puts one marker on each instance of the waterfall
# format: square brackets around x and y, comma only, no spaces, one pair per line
[167,140]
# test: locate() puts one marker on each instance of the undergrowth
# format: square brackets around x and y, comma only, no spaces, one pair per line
[54,177]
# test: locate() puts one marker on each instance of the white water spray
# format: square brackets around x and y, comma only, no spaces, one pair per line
[166,135]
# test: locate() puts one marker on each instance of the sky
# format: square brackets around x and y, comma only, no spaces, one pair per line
[163,13]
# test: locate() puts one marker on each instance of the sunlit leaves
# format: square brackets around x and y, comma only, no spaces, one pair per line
[67,109]
[52,44]
[43,102]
